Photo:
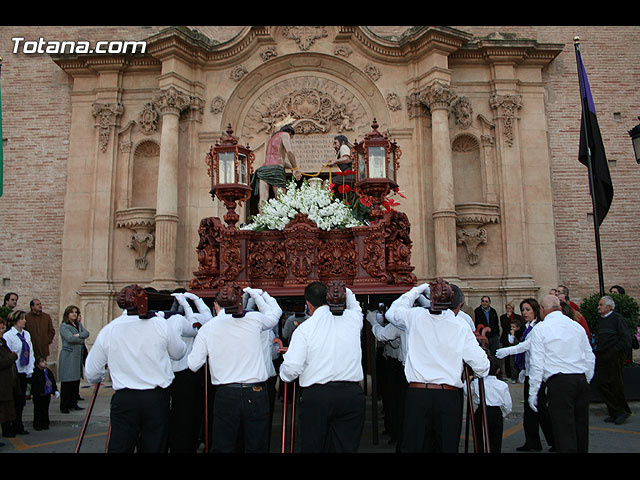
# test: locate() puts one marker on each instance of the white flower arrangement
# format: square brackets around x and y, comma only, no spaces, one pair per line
[315,200]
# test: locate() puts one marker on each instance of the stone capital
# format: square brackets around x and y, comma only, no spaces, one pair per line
[172,101]
[438,95]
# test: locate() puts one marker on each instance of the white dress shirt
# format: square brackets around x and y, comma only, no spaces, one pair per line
[496,394]
[326,348]
[467,319]
[15,345]
[188,334]
[394,339]
[137,352]
[558,345]
[235,346]
[438,345]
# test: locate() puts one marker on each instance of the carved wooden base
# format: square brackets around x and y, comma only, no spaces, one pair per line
[370,259]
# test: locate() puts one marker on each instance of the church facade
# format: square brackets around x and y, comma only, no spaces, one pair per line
[487,119]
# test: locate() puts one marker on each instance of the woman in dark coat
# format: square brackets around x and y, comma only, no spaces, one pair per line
[73,335]
[8,384]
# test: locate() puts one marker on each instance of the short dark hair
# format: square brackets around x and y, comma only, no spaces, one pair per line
[458,297]
[316,294]
[289,129]
[342,139]
[8,296]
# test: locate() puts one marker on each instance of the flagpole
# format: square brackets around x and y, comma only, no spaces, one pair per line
[583,102]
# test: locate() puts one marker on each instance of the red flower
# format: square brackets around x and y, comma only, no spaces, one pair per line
[392,202]
[397,190]
[331,185]
[346,172]
[344,189]
[366,201]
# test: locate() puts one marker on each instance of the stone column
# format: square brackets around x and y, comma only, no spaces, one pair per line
[170,103]
[438,97]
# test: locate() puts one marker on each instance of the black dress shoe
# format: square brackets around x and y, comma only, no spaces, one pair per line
[76,407]
[610,419]
[23,432]
[64,410]
[526,448]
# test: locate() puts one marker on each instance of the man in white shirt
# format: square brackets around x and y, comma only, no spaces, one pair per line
[138,349]
[234,344]
[187,388]
[438,345]
[562,358]
[325,356]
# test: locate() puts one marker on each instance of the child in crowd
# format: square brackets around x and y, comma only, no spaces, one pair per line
[498,402]
[43,385]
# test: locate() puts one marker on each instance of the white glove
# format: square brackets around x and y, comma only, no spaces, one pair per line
[521,376]
[502,353]
[252,291]
[372,318]
[533,403]
[204,313]
[57,394]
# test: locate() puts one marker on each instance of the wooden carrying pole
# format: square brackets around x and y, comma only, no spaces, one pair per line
[284,417]
[471,415]
[86,418]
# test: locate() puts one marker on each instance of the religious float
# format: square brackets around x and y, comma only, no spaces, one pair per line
[307,233]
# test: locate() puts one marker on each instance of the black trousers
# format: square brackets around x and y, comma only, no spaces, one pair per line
[41,411]
[609,376]
[69,394]
[569,409]
[532,422]
[433,421]
[241,412]
[187,411]
[139,421]
[331,417]
[495,425]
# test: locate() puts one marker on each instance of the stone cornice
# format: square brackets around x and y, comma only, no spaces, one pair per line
[502,47]
[414,42]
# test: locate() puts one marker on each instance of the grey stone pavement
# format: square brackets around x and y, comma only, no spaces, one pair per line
[62,436]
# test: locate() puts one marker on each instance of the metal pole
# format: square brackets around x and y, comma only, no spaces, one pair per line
[596,224]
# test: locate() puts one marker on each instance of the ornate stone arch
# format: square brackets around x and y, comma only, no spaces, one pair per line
[348,98]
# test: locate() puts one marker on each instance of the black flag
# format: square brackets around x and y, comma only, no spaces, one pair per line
[591,145]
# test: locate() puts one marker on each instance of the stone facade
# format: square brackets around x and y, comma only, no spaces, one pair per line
[105,179]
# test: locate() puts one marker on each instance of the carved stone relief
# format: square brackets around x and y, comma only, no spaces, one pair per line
[373,72]
[148,119]
[462,111]
[305,36]
[237,73]
[342,51]
[507,106]
[217,105]
[318,105]
[393,102]
[141,222]
[105,115]
[268,53]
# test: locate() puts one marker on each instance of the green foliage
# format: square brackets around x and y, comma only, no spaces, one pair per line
[625,306]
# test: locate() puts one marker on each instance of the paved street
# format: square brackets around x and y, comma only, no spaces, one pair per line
[65,428]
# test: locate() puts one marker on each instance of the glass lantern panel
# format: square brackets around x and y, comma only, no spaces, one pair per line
[243,171]
[377,162]
[362,166]
[226,165]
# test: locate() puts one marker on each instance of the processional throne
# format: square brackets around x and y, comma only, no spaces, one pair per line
[371,259]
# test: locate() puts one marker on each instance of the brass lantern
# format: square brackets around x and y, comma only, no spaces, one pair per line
[377,162]
[230,168]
